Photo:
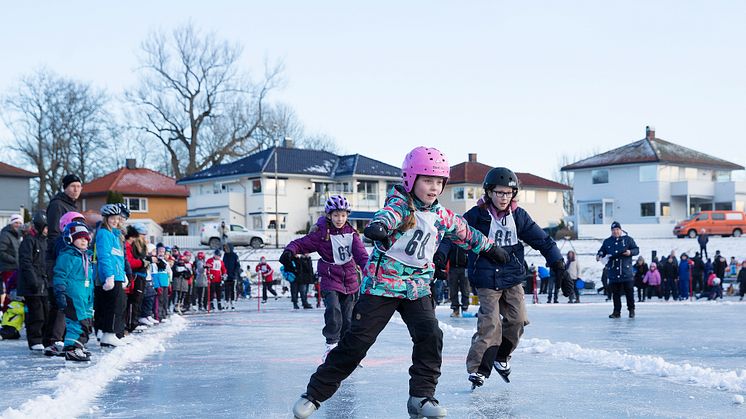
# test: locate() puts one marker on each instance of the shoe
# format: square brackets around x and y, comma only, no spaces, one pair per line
[425,407]
[276,298]
[141,328]
[264,301]
[99,333]
[307,306]
[329,347]
[614,315]
[305,406]
[77,354]
[295,306]
[56,349]
[153,320]
[145,321]
[556,302]
[456,313]
[502,368]
[37,348]
[110,340]
[476,379]
[632,314]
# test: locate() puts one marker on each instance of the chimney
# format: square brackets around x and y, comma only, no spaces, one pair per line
[472,157]
[288,142]
[650,132]
[131,164]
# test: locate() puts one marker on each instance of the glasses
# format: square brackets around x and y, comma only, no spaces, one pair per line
[501,194]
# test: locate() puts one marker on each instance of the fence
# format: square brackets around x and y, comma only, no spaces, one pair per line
[183,242]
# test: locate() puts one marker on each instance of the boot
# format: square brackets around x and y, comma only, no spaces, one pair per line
[476,379]
[502,368]
[55,349]
[76,354]
[296,307]
[425,407]
[614,315]
[632,314]
[110,340]
[305,406]
[456,313]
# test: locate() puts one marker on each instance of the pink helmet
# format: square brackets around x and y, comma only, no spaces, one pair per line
[68,218]
[424,161]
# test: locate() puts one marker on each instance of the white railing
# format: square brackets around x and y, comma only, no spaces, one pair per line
[183,242]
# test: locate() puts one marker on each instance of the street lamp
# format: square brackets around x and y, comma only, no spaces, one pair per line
[277,213]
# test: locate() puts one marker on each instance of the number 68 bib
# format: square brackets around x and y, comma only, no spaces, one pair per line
[416,246]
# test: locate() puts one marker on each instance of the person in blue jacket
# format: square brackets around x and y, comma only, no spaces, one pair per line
[618,250]
[108,252]
[502,313]
[684,276]
[73,290]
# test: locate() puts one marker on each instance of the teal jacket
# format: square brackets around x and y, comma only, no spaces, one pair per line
[73,282]
[109,255]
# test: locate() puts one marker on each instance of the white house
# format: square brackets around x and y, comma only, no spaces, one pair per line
[15,184]
[649,185]
[244,191]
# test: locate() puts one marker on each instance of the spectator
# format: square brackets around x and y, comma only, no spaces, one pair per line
[10,241]
[136,251]
[742,280]
[32,281]
[233,270]
[573,269]
[641,268]
[698,271]
[652,280]
[733,267]
[702,240]
[719,265]
[619,250]
[684,276]
[265,278]
[458,283]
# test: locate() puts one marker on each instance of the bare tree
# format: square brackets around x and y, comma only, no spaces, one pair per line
[193,98]
[281,121]
[59,126]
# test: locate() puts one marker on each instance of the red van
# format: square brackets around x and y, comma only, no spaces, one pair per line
[725,223]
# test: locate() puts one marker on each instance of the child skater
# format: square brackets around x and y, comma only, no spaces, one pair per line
[343,257]
[397,276]
[73,287]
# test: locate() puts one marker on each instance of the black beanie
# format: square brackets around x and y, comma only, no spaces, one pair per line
[616,224]
[67,180]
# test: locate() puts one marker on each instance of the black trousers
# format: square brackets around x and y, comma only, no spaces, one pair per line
[369,316]
[54,323]
[134,303]
[230,290]
[200,295]
[628,289]
[297,289]
[110,309]
[216,292]
[457,282]
[265,287]
[38,312]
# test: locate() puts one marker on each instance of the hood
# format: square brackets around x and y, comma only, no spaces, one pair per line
[9,228]
[61,196]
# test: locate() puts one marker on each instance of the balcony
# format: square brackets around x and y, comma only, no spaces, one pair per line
[231,200]
[358,201]
[693,188]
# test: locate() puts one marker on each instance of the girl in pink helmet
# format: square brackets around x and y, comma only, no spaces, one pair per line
[396,277]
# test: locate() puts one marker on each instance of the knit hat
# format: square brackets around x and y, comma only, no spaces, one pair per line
[616,224]
[15,218]
[67,180]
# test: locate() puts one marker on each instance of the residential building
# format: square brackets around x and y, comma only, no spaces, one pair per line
[649,185]
[244,192]
[542,198]
[16,186]
[153,198]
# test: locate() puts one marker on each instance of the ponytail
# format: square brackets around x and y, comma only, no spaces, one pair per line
[409,221]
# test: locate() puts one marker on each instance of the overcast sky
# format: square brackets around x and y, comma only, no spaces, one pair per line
[519,83]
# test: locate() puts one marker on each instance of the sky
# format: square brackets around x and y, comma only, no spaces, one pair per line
[518,83]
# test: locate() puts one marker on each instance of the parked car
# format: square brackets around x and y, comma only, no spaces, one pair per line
[726,223]
[237,235]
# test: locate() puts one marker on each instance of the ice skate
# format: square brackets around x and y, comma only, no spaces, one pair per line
[141,328]
[305,406]
[329,347]
[153,320]
[56,349]
[425,407]
[632,314]
[456,313]
[476,379]
[76,354]
[110,340]
[614,315]
[145,321]
[503,368]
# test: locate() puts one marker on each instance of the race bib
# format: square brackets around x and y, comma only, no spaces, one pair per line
[504,235]
[342,248]
[216,265]
[417,245]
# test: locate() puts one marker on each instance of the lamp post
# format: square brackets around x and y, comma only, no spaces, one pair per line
[277,213]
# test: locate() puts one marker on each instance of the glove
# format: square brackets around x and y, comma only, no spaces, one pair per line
[496,254]
[440,274]
[440,261]
[286,259]
[161,264]
[109,284]
[378,232]
[61,301]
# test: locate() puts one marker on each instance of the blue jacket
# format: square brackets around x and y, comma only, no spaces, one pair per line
[619,267]
[483,273]
[73,283]
[109,255]
[684,270]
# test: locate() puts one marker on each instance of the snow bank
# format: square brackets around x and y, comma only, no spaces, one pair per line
[72,391]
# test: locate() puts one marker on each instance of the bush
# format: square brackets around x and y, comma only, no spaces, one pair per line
[565,232]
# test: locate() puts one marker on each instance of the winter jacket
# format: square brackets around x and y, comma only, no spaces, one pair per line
[343,255]
[573,269]
[137,259]
[181,276]
[215,270]
[10,241]
[304,270]
[640,271]
[232,267]
[718,266]
[58,206]
[73,283]
[702,239]
[387,276]
[652,278]
[619,266]
[742,279]
[159,273]
[458,257]
[109,255]
[699,267]
[200,275]
[265,272]
[482,272]
[32,255]
[684,269]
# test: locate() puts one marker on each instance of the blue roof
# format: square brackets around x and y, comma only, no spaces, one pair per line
[361,215]
[300,162]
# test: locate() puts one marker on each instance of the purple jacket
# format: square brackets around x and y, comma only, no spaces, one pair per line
[343,278]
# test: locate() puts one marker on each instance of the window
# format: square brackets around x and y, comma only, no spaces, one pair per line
[740,205]
[368,190]
[718,216]
[648,173]
[722,176]
[647,209]
[256,186]
[703,217]
[236,227]
[471,193]
[390,185]
[271,225]
[552,197]
[723,206]
[136,204]
[270,186]
[734,216]
[458,193]
[690,173]
[257,222]
[600,176]
[675,173]
[527,196]
[665,209]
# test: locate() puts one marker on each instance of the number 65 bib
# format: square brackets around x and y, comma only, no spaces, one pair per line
[416,246]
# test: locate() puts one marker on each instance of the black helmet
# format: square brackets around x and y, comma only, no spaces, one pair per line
[500,176]
[39,220]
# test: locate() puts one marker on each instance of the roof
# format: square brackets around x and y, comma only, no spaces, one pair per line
[474,173]
[138,182]
[297,161]
[12,171]
[653,150]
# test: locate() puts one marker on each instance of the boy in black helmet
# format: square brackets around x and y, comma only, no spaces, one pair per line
[502,313]
[33,281]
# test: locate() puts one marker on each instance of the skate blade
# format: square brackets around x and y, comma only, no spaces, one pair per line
[505,378]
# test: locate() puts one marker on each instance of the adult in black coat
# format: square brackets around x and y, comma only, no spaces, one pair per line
[719,265]
[702,239]
[32,281]
[619,249]
[698,272]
